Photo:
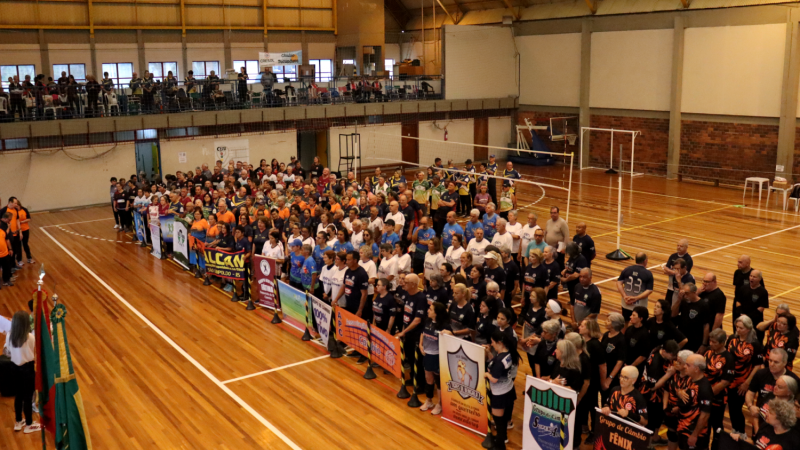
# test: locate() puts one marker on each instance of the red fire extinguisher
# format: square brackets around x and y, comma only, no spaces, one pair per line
[445,134]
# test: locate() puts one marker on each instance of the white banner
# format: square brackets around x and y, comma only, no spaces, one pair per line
[279,59]
[227,150]
[180,244]
[322,313]
[463,393]
[549,410]
[155,238]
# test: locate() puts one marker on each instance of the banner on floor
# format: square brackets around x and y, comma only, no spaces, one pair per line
[293,305]
[351,330]
[386,351]
[549,411]
[463,391]
[138,222]
[155,239]
[180,246]
[322,313]
[279,59]
[225,264]
[616,433]
[264,270]
[167,228]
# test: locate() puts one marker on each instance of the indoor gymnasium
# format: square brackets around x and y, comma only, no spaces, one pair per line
[393,224]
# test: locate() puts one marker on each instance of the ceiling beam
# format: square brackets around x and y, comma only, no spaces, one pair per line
[446,12]
[399,11]
[592,4]
[459,11]
[511,8]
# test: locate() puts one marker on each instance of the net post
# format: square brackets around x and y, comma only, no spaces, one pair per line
[618,254]
[333,344]
[569,186]
[611,163]
[633,149]
[276,318]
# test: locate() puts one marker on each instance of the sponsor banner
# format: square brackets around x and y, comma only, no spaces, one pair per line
[180,246]
[386,351]
[225,264]
[352,331]
[155,232]
[616,433]
[138,221]
[167,228]
[463,391]
[152,214]
[549,413]
[293,305]
[322,313]
[264,270]
[227,150]
[279,59]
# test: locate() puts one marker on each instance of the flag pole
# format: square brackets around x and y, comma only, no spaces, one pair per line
[39,397]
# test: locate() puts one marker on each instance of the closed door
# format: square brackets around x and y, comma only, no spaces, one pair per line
[410,146]
[481,139]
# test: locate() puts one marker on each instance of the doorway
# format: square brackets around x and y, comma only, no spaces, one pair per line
[306,147]
[410,147]
[148,159]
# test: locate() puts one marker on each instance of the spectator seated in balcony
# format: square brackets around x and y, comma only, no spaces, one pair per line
[190,83]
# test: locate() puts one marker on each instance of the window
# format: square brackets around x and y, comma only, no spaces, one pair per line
[282,72]
[388,64]
[349,61]
[121,73]
[78,71]
[323,69]
[203,69]
[251,67]
[20,71]
[160,69]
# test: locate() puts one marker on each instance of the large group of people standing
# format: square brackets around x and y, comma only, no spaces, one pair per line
[438,253]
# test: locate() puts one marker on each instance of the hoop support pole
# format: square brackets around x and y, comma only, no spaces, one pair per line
[569,186]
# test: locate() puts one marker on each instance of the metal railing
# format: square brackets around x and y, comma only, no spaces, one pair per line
[104,100]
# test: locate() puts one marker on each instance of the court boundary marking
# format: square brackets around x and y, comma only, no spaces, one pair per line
[180,350]
[264,372]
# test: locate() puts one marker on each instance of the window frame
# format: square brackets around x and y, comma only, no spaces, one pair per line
[163,71]
[251,77]
[282,73]
[57,73]
[118,81]
[206,70]
[16,67]
[319,75]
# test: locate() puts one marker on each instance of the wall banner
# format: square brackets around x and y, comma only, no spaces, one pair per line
[225,264]
[227,150]
[279,59]
[463,391]
[549,411]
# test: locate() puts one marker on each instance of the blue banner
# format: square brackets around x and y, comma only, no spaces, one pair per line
[138,221]
[167,228]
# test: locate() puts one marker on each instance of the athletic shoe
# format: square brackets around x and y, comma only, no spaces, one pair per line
[116,226]
[20,263]
[354,354]
[207,282]
[437,409]
[361,360]
[228,288]
[18,425]
[35,427]
[510,425]
[8,284]
[426,406]
[31,261]
[35,408]
[374,365]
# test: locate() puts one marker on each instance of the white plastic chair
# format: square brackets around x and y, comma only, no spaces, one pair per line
[795,199]
[49,106]
[112,103]
[3,105]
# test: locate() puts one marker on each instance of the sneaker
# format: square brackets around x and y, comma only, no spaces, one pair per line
[18,425]
[9,283]
[437,409]
[31,261]
[354,354]
[116,226]
[426,406]
[32,428]
[228,288]
[361,360]
[510,425]
[20,263]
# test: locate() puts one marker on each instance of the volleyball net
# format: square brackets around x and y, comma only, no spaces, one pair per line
[540,182]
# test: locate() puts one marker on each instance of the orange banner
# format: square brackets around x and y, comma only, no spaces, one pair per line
[352,331]
[386,351]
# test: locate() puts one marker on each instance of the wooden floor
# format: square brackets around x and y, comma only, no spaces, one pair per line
[153,348]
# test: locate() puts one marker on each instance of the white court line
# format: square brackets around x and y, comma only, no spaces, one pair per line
[73,223]
[276,369]
[177,348]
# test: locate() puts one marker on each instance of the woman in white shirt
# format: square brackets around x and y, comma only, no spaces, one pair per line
[336,279]
[453,255]
[433,258]
[20,346]
[325,220]
[403,257]
[327,272]
[368,265]
[274,249]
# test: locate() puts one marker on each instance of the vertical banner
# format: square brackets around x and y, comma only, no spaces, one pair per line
[352,331]
[322,313]
[463,391]
[616,433]
[180,248]
[293,305]
[155,238]
[138,221]
[386,351]
[549,410]
[264,270]
[167,228]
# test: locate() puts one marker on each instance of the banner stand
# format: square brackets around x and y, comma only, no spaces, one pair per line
[250,305]
[414,402]
[306,335]
[488,442]
[333,344]
[403,392]
[369,374]
[276,318]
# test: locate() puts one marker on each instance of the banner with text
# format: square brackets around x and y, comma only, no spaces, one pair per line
[167,228]
[386,351]
[352,331]
[180,247]
[549,410]
[463,391]
[279,59]
[616,433]
[293,305]
[322,313]
[155,238]
[227,150]
[225,264]
[138,221]
[264,270]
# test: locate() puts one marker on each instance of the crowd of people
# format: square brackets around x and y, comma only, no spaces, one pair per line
[15,225]
[438,253]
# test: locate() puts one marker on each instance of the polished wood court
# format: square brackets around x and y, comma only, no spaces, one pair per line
[154,349]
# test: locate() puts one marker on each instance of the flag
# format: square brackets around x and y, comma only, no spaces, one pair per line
[72,430]
[45,361]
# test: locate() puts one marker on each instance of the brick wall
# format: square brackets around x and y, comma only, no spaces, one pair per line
[728,152]
[651,145]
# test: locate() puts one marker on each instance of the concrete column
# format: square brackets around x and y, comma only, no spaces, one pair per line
[586,67]
[304,47]
[98,71]
[791,77]
[45,52]
[676,93]
[140,48]
[226,39]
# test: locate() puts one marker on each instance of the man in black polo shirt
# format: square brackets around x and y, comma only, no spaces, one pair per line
[693,315]
[356,285]
[409,215]
[585,243]
[682,253]
[587,297]
[415,306]
[716,299]
[763,382]
[751,300]
[741,277]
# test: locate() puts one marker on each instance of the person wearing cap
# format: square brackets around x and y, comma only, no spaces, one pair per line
[296,261]
[389,235]
[310,271]
[447,202]
[508,200]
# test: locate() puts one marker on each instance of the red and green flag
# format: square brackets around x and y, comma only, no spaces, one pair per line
[45,361]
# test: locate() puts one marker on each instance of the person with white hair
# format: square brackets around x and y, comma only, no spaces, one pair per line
[671,401]
[490,221]
[477,247]
[748,358]
[613,344]
[545,358]
[764,382]
[779,433]
[624,400]
[567,370]
[502,237]
[473,224]
[693,426]
[515,228]
[494,272]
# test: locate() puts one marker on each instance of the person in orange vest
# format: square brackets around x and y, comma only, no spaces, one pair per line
[12,231]
[6,254]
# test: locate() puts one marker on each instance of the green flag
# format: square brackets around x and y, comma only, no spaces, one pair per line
[72,430]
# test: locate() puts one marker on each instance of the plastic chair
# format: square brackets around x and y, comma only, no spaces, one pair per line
[4,107]
[796,200]
[50,106]
[112,103]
